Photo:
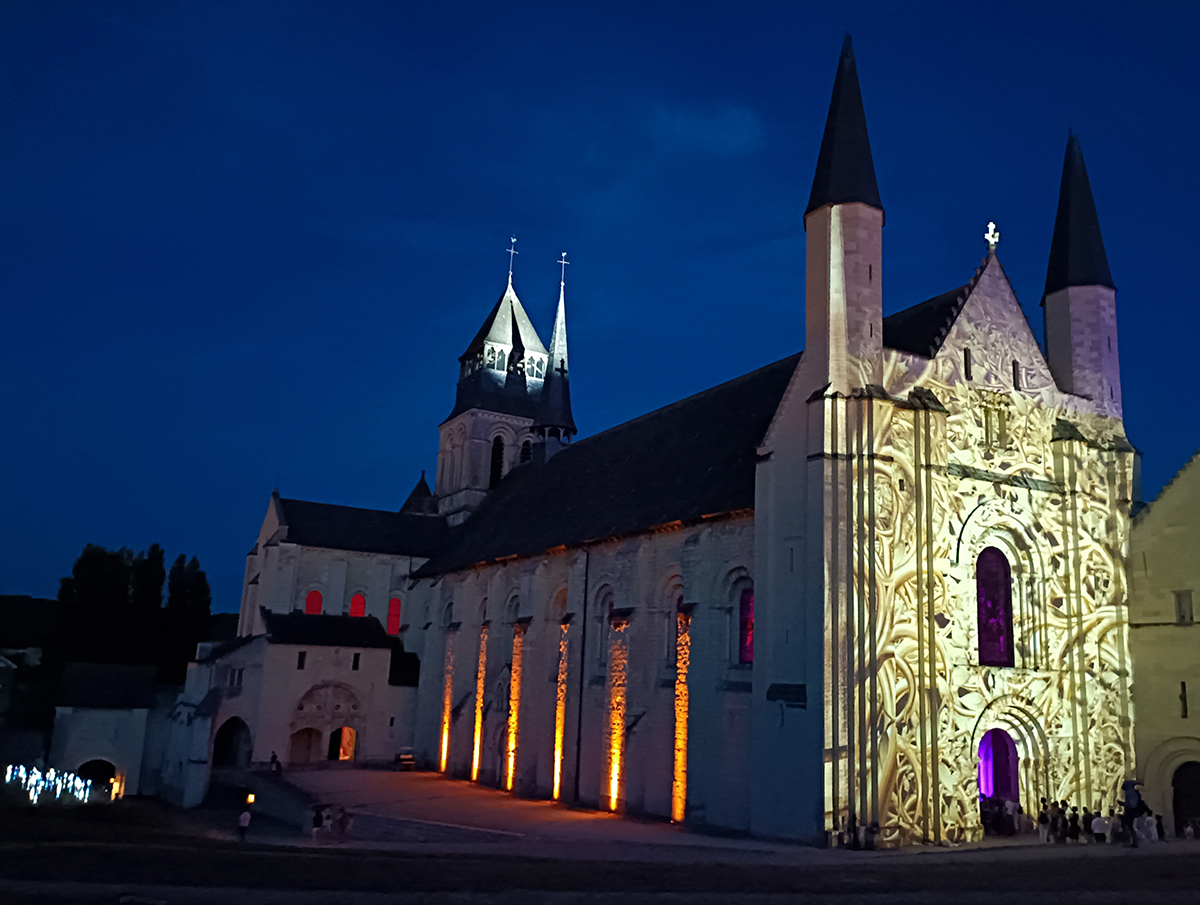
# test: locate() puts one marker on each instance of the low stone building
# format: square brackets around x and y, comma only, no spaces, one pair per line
[1164,641]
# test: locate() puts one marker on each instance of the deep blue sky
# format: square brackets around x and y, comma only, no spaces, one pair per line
[243,243]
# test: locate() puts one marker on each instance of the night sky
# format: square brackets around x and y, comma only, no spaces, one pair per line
[243,244]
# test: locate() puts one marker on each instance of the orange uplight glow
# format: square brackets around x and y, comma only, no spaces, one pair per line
[618,656]
[447,699]
[560,710]
[683,653]
[480,679]
[514,705]
[250,798]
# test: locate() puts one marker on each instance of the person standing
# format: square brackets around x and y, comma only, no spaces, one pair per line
[1043,823]
[317,822]
[243,824]
[1099,828]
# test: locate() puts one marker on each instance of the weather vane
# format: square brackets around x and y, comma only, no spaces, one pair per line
[992,236]
[563,262]
[512,250]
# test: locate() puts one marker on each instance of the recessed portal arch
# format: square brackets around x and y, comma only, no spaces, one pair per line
[1185,787]
[232,745]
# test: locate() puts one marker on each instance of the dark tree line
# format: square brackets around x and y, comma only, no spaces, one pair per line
[112,610]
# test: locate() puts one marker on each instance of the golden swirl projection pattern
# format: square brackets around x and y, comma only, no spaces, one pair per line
[480,681]
[514,706]
[924,474]
[683,658]
[618,659]
[560,709]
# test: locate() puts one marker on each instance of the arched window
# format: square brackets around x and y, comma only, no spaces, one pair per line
[312,603]
[526,451]
[993,587]
[497,462]
[358,605]
[500,360]
[746,626]
[491,357]
[448,615]
[393,619]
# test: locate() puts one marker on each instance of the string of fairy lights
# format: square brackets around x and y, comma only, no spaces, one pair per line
[35,782]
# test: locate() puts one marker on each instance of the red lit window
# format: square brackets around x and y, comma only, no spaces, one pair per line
[746,627]
[358,605]
[393,625]
[312,603]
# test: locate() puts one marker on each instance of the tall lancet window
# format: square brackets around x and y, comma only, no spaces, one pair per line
[746,626]
[497,462]
[993,586]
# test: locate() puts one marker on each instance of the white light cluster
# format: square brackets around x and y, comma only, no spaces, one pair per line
[35,782]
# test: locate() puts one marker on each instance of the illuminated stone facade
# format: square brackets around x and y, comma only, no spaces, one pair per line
[1164,639]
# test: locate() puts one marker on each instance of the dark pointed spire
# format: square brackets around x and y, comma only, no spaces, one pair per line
[1077,255]
[421,501]
[845,168]
[554,408]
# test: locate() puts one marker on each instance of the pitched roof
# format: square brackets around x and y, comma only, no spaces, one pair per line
[921,329]
[325,631]
[421,501]
[507,323]
[364,530]
[845,168]
[692,459]
[1077,256]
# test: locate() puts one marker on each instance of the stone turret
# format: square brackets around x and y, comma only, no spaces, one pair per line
[1080,300]
[844,225]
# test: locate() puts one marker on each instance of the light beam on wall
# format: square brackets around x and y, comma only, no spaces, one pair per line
[683,651]
[560,709]
[447,700]
[618,658]
[514,705]
[480,677]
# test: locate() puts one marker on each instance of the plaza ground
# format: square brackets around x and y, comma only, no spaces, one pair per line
[418,838]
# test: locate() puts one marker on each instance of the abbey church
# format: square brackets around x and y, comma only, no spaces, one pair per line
[861,588]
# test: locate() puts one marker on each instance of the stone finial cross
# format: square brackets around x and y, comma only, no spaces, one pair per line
[992,236]
[563,262]
[561,370]
[512,250]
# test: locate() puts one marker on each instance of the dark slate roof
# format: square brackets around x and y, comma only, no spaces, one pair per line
[325,631]
[421,501]
[110,686]
[364,530]
[692,459]
[921,329]
[845,168]
[1077,255]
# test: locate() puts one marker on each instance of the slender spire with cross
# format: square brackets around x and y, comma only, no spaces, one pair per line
[512,250]
[563,262]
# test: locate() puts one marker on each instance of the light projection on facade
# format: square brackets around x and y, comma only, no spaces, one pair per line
[683,653]
[358,605]
[746,626]
[560,709]
[312,603]
[514,706]
[976,581]
[447,700]
[618,657]
[480,682]
[35,783]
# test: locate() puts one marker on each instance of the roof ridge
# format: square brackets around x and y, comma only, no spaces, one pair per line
[686,399]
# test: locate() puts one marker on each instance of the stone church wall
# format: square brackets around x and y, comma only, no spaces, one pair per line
[625,596]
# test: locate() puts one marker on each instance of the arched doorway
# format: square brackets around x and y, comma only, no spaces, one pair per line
[341,743]
[1186,793]
[232,746]
[998,780]
[103,776]
[304,747]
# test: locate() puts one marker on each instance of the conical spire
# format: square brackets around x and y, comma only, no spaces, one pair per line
[1077,255]
[421,501]
[845,168]
[554,409]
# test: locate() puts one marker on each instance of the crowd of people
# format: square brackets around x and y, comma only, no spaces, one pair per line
[331,824]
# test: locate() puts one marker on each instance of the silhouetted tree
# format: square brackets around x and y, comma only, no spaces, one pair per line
[189,603]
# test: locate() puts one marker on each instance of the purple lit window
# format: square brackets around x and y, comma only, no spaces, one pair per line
[993,585]
[746,627]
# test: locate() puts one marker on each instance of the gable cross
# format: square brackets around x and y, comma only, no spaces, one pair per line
[561,370]
[563,262]
[992,236]
[512,250]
